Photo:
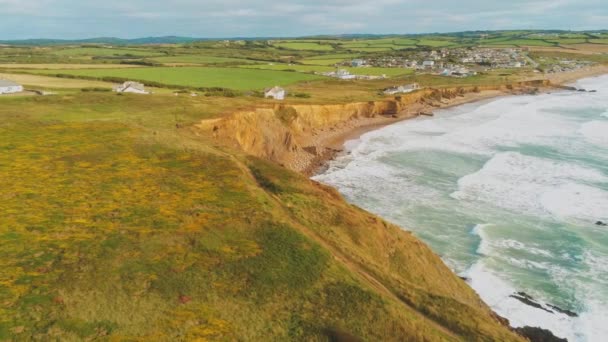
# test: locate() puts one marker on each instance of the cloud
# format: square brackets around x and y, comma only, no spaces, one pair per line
[226,18]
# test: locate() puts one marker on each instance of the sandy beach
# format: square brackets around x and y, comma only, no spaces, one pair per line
[332,140]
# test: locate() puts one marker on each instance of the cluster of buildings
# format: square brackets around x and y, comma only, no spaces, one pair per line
[460,62]
[562,64]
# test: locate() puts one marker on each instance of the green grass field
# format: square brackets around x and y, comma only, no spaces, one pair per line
[231,78]
[199,59]
[321,68]
[435,43]
[519,42]
[105,52]
[310,46]
[334,56]
[322,61]
[566,41]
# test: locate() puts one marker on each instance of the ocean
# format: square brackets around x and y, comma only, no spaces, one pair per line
[508,192]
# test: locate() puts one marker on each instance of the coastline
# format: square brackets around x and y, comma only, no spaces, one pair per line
[332,140]
[527,329]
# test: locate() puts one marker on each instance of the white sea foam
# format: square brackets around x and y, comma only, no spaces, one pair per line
[596,132]
[532,185]
[558,197]
[484,247]
[496,292]
[576,201]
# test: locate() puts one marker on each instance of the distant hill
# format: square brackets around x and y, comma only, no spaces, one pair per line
[105,40]
[181,40]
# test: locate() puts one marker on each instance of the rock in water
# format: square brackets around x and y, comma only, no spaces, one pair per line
[601,223]
[528,300]
[538,334]
[564,311]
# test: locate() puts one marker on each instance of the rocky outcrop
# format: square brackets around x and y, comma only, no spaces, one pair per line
[538,335]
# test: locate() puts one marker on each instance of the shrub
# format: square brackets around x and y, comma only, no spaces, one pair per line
[286,114]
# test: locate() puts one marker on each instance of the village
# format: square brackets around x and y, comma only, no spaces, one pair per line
[445,62]
[461,62]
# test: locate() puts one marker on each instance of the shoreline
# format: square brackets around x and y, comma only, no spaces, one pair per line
[332,141]
[527,329]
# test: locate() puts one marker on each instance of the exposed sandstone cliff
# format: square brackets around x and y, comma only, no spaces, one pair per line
[285,133]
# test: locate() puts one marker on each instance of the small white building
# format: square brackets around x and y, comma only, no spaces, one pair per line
[402,89]
[10,87]
[357,63]
[131,87]
[515,65]
[276,93]
[344,74]
[428,64]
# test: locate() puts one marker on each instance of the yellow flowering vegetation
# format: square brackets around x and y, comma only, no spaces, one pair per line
[117,226]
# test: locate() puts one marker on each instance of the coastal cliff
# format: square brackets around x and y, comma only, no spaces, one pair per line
[301,136]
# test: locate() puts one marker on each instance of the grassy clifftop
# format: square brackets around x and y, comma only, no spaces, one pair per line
[116,228]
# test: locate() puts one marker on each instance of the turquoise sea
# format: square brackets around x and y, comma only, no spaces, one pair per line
[508,192]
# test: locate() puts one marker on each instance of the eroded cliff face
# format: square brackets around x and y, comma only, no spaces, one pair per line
[283,133]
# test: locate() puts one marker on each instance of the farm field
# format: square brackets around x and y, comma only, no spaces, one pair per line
[320,68]
[322,61]
[54,82]
[520,42]
[312,46]
[68,66]
[231,78]
[334,56]
[106,52]
[200,59]
[435,43]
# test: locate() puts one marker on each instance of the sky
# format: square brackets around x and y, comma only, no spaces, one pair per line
[72,19]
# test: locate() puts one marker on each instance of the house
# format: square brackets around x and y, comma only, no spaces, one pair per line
[410,64]
[515,65]
[357,63]
[131,87]
[345,75]
[10,87]
[276,93]
[407,88]
[428,64]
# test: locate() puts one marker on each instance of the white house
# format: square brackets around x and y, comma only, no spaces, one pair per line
[428,64]
[10,87]
[515,65]
[345,75]
[402,89]
[131,87]
[276,93]
[357,63]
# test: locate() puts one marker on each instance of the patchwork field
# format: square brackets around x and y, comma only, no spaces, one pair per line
[320,68]
[312,46]
[38,81]
[67,66]
[85,51]
[231,78]
[198,59]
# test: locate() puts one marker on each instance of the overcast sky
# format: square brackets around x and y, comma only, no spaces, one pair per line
[255,18]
